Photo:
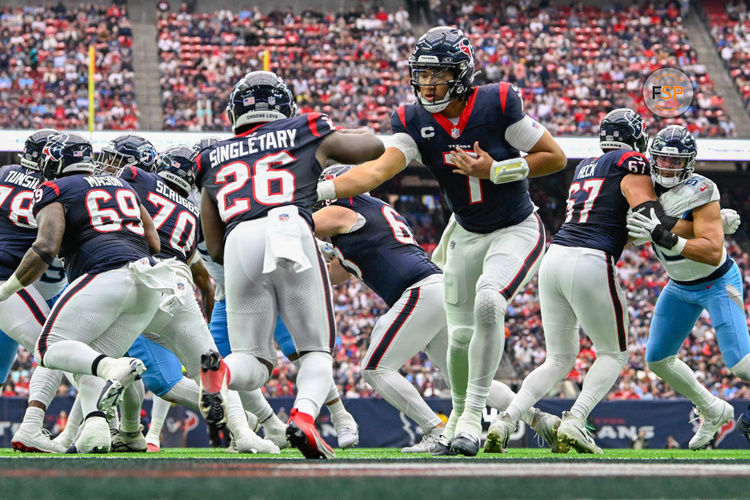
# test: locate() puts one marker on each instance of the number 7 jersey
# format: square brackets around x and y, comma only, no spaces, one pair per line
[270,165]
[596,208]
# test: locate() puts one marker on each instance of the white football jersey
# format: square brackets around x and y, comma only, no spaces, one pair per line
[53,281]
[679,202]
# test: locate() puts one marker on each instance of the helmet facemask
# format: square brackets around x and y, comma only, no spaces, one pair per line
[670,169]
[435,75]
[110,162]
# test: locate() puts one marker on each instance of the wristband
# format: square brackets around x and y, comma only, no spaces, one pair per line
[11,286]
[680,245]
[514,169]
[326,190]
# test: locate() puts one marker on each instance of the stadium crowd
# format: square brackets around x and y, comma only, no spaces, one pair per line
[575,62]
[730,27]
[44,66]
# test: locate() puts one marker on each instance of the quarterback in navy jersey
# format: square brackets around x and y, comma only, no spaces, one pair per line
[374,242]
[258,189]
[105,235]
[577,280]
[471,139]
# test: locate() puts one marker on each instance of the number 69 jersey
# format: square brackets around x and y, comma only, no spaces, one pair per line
[17,226]
[270,165]
[103,228]
[175,217]
[596,208]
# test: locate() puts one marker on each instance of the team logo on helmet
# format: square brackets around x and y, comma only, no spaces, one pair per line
[147,155]
[463,46]
[54,146]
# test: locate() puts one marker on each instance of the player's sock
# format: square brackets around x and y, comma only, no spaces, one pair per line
[89,389]
[598,381]
[44,384]
[132,400]
[470,422]
[255,403]
[34,416]
[458,368]
[401,394]
[539,382]
[313,382]
[236,417]
[681,378]
[246,371]
[500,397]
[71,356]
[75,418]
[159,410]
[184,393]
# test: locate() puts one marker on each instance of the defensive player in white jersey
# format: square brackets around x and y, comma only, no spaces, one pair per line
[702,277]
[470,138]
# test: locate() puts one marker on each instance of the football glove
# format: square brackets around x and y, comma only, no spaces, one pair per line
[730,220]
[642,227]
[326,249]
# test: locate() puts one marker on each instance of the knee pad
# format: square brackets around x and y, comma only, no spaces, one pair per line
[489,306]
[742,369]
[619,357]
[460,336]
[565,362]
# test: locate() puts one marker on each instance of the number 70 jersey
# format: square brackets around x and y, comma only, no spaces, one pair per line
[596,208]
[270,165]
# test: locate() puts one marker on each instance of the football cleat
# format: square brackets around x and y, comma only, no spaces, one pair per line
[129,441]
[214,381]
[303,435]
[122,373]
[347,431]
[573,432]
[546,425]
[68,435]
[249,442]
[743,424]
[31,439]
[94,438]
[153,447]
[275,431]
[716,415]
[499,433]
[465,444]
[441,447]
[427,443]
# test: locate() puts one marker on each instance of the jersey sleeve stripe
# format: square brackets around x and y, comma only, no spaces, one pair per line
[390,334]
[504,87]
[52,186]
[629,154]
[401,111]
[312,119]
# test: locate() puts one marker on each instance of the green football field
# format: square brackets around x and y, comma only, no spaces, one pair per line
[378,474]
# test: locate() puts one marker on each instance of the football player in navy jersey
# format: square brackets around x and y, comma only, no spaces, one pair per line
[577,280]
[127,150]
[258,189]
[105,235]
[471,139]
[374,242]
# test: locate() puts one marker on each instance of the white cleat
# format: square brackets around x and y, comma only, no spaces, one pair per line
[716,415]
[129,441]
[546,425]
[122,373]
[427,443]
[498,434]
[573,432]
[277,434]
[94,438]
[249,442]
[67,436]
[347,432]
[30,439]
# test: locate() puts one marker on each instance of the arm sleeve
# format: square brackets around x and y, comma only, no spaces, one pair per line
[524,134]
[403,142]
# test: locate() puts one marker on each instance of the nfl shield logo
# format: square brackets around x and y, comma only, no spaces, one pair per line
[284,217]
[455,133]
[272,101]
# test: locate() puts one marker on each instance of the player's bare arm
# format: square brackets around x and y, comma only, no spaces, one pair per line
[51,223]
[708,244]
[367,176]
[152,237]
[213,228]
[336,272]
[349,147]
[333,220]
[203,282]
[637,189]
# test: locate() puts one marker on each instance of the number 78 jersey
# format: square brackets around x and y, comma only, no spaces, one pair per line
[596,208]
[270,165]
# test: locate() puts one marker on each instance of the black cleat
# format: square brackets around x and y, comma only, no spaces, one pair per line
[465,444]
[213,386]
[441,448]
[743,424]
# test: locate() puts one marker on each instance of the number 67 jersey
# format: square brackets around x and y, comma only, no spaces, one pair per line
[270,165]
[596,208]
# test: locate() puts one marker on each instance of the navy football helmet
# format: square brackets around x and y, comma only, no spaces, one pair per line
[66,153]
[442,49]
[203,144]
[261,96]
[672,154]
[327,174]
[126,150]
[31,158]
[175,166]
[623,128]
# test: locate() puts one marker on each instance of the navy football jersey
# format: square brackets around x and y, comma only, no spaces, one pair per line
[479,205]
[270,165]
[175,217]
[596,211]
[383,252]
[17,225]
[103,228]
